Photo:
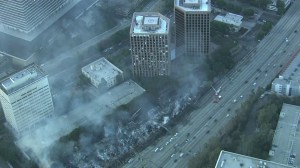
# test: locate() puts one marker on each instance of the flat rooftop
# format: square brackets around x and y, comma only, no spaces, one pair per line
[234,160]
[22,78]
[292,72]
[236,21]
[286,141]
[194,5]
[149,23]
[101,69]
[281,81]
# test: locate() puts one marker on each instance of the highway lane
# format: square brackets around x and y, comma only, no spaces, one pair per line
[252,79]
[199,122]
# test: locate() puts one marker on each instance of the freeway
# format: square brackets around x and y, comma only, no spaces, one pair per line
[260,66]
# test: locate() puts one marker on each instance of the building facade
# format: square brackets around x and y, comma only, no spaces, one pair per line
[103,74]
[288,82]
[281,86]
[150,44]
[192,19]
[26,99]
[19,17]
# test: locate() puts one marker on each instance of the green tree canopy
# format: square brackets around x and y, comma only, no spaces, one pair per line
[248,12]
[280,6]
[220,27]
[266,27]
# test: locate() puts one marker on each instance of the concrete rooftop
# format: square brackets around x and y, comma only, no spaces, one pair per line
[234,160]
[286,141]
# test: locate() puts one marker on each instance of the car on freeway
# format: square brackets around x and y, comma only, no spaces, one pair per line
[171,139]
[130,160]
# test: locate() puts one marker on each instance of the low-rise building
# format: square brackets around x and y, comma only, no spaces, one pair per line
[231,19]
[281,86]
[288,83]
[234,160]
[103,74]
[286,145]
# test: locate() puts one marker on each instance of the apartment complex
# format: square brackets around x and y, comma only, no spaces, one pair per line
[26,99]
[150,44]
[192,19]
[103,74]
[27,18]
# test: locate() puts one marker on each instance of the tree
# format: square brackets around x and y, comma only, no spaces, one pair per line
[233,8]
[260,35]
[220,27]
[266,27]
[221,3]
[263,3]
[258,3]
[248,12]
[280,6]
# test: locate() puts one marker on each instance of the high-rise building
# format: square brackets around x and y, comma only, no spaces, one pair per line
[150,42]
[27,18]
[26,99]
[192,19]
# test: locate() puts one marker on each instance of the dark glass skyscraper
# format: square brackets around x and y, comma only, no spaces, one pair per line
[192,27]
